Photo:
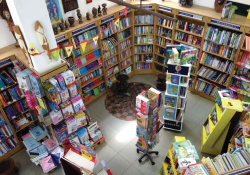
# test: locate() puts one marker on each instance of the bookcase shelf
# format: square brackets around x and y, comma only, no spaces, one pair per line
[213,68]
[91,61]
[161,64]
[8,86]
[90,81]
[125,28]
[218,55]
[25,125]
[190,33]
[90,71]
[19,115]
[146,24]
[183,42]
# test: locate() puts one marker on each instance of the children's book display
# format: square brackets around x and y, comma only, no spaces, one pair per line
[148,123]
[177,84]
[216,127]
[180,157]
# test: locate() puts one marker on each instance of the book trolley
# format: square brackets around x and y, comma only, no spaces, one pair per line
[147,107]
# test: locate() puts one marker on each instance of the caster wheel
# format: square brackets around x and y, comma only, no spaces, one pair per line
[153,163]
[137,151]
[157,154]
[139,161]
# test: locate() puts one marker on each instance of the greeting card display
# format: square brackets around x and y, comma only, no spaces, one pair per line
[67,109]
[64,95]
[80,119]
[78,104]
[71,125]
[69,78]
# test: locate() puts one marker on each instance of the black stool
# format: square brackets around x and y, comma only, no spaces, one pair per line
[122,84]
[161,82]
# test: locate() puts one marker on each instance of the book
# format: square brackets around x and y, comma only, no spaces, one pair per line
[78,104]
[82,134]
[170,101]
[142,120]
[71,124]
[37,132]
[50,144]
[141,144]
[142,104]
[170,113]
[172,89]
[56,117]
[141,132]
[38,153]
[30,143]
[80,119]
[47,164]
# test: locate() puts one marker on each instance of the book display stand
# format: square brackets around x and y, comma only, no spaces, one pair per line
[147,107]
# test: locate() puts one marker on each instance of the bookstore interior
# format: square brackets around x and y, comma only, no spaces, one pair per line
[133,87]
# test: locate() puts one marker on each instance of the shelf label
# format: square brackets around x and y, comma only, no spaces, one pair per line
[229,25]
[165,9]
[2,63]
[83,29]
[191,15]
[107,19]
[121,12]
[60,38]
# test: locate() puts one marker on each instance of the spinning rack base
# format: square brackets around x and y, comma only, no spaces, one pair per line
[148,154]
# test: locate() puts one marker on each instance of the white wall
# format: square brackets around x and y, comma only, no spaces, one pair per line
[6,36]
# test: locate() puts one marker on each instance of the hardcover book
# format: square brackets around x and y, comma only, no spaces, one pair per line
[170,101]
[170,113]
[37,133]
[175,79]
[172,89]
[82,134]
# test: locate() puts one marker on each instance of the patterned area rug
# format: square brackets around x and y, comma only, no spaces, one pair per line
[123,106]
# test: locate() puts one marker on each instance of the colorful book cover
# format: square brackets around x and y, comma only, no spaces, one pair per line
[80,119]
[30,143]
[142,120]
[50,144]
[82,134]
[170,113]
[78,104]
[232,104]
[37,133]
[47,164]
[67,109]
[141,132]
[141,144]
[172,89]
[71,125]
[175,79]
[61,131]
[154,95]
[142,104]
[56,117]
[170,101]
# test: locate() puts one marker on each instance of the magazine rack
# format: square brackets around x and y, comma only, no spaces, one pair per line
[148,123]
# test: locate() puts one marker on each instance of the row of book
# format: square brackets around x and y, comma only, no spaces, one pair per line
[162,41]
[243,58]
[207,88]
[144,57]
[112,70]
[109,53]
[164,32]
[21,120]
[144,19]
[2,120]
[243,73]
[108,44]
[124,44]
[223,37]
[246,44]
[15,109]
[127,70]
[143,30]
[160,50]
[63,53]
[125,62]
[124,34]
[94,92]
[193,70]
[144,49]
[165,22]
[89,67]
[84,36]
[215,62]
[144,39]
[11,95]
[7,77]
[124,23]
[216,76]
[143,66]
[110,26]
[162,60]
[191,39]
[110,62]
[70,61]
[91,85]
[226,52]
[89,47]
[190,27]
[5,131]
[83,80]
[126,53]
[7,145]
[85,59]
[191,81]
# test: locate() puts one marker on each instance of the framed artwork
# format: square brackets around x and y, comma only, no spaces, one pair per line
[54,10]
[88,1]
[69,5]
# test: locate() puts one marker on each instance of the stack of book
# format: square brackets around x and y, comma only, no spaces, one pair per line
[144,19]
[143,49]
[207,87]
[215,62]
[191,39]
[226,52]
[144,39]
[124,34]
[85,59]
[124,23]
[213,75]
[7,145]
[190,27]
[165,32]
[143,66]
[144,30]
[165,22]
[84,36]
[123,45]
[112,29]
[226,38]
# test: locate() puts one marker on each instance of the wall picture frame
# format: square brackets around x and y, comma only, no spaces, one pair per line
[55,12]
[69,5]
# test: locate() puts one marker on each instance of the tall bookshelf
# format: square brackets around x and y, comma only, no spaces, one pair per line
[163,36]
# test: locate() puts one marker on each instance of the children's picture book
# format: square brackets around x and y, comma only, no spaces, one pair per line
[170,101]
[142,120]
[172,89]
[71,125]
[78,104]
[141,144]
[238,143]
[67,109]
[155,97]
[175,79]
[56,117]
[231,148]
[141,132]
[170,113]
[82,134]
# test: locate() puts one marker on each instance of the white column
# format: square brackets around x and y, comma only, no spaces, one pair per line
[25,13]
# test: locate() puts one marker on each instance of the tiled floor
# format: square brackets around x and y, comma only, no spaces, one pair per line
[119,151]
